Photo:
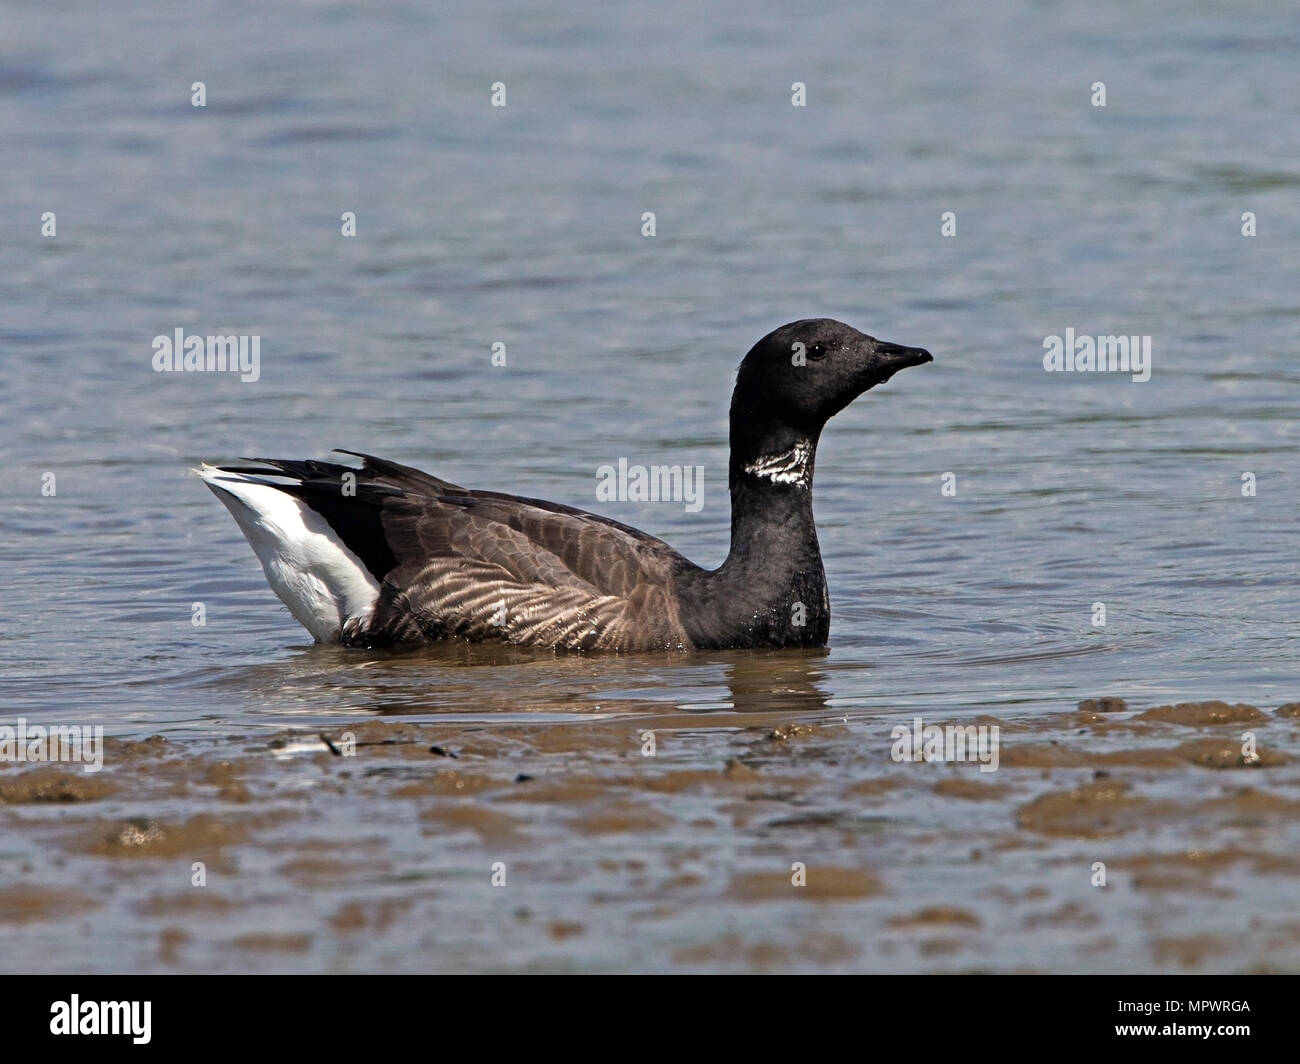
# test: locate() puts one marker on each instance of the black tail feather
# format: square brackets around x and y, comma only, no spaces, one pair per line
[352,507]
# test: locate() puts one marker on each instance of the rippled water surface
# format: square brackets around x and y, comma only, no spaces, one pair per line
[523,225]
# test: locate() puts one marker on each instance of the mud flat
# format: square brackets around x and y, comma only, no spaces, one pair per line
[1110,839]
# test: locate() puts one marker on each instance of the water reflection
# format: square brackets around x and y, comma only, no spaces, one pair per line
[784,682]
[494,682]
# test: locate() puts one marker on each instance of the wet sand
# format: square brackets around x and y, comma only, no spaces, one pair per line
[373,847]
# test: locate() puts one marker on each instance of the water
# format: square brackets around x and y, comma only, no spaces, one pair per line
[522,225]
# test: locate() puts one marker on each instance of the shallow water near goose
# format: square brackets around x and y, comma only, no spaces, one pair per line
[523,226]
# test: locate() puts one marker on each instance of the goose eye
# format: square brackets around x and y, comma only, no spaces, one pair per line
[817,351]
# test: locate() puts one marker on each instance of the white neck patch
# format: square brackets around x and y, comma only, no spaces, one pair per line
[789,467]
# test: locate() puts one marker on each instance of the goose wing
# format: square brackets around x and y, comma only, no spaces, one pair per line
[481,565]
[455,563]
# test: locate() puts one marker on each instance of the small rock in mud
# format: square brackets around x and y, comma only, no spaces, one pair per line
[190,904]
[486,823]
[447,783]
[1041,755]
[737,771]
[53,785]
[272,943]
[1188,951]
[1202,714]
[23,904]
[961,787]
[562,929]
[820,884]
[617,818]
[221,773]
[170,940]
[199,835]
[937,915]
[1103,705]
[1228,753]
[373,916]
[1095,810]
[131,750]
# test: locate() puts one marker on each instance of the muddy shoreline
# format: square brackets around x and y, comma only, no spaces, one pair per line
[1109,839]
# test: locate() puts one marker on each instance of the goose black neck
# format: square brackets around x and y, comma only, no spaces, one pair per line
[771,590]
[770,478]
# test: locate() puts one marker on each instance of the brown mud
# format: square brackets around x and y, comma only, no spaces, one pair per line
[1110,838]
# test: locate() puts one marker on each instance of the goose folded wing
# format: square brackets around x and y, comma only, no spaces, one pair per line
[480,565]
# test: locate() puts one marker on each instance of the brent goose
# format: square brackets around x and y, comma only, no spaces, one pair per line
[385,554]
